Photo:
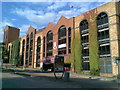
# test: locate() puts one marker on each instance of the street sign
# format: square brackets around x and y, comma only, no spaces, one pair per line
[116,59]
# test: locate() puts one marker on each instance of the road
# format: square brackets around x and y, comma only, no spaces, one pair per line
[11,80]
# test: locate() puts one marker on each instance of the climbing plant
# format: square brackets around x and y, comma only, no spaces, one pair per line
[78,51]
[93,42]
[15,52]
[72,55]
[5,54]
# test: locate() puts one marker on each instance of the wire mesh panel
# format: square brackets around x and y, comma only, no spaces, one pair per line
[106,65]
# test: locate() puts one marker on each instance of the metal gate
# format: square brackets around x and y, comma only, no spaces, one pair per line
[105,65]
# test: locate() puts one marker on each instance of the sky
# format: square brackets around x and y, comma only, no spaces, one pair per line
[39,14]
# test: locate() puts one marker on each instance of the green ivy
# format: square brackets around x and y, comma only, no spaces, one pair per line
[78,51]
[72,55]
[76,62]
[15,52]
[5,54]
[93,43]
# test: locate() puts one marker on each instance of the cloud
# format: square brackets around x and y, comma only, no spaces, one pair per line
[57,5]
[13,19]
[38,17]
[57,0]
[23,30]
[52,13]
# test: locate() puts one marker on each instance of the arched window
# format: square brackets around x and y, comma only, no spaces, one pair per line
[27,49]
[62,40]
[49,43]
[104,43]
[44,46]
[23,49]
[9,52]
[69,40]
[102,18]
[85,50]
[38,52]
[31,35]
[31,49]
[103,34]
[19,53]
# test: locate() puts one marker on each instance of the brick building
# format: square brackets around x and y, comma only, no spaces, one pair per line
[88,42]
[11,34]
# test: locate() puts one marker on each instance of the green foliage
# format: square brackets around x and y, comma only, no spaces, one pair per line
[72,55]
[118,76]
[76,55]
[94,71]
[5,54]
[78,51]
[15,52]
[93,44]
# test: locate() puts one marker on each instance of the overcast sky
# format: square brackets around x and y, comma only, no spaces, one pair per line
[39,14]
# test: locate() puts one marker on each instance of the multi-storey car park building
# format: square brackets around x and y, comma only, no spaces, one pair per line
[88,42]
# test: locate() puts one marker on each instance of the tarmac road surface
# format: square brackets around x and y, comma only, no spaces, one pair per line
[11,80]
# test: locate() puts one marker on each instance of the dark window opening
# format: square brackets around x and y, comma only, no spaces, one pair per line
[69,40]
[85,52]
[49,43]
[44,47]
[104,50]
[31,49]
[103,34]
[23,49]
[85,39]
[27,48]
[86,65]
[84,27]
[62,51]
[102,19]
[38,52]
[62,40]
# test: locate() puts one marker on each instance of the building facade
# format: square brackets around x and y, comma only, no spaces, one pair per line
[97,32]
[11,34]
[89,42]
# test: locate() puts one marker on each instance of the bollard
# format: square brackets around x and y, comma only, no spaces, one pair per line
[66,76]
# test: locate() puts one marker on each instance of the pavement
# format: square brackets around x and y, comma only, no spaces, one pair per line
[36,73]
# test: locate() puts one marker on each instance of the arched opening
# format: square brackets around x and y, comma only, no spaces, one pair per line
[27,49]
[62,40]
[11,52]
[103,34]
[85,50]
[9,55]
[69,40]
[38,52]
[31,49]
[44,46]
[104,42]
[19,59]
[23,50]
[49,43]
